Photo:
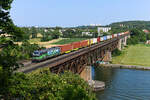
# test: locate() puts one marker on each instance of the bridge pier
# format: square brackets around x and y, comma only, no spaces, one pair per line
[86,74]
[122,42]
[125,40]
[107,56]
[119,44]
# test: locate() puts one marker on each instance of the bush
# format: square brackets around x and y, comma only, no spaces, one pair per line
[116,52]
[22,52]
[44,85]
[136,37]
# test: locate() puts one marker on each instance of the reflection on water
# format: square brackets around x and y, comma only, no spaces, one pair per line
[123,84]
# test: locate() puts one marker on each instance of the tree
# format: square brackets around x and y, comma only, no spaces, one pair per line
[148,36]
[43,85]
[137,36]
[27,33]
[8,60]
[6,24]
[56,34]
[69,33]
[34,32]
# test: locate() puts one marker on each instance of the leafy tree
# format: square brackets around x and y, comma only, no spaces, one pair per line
[69,33]
[56,34]
[6,24]
[46,35]
[129,25]
[8,60]
[116,52]
[148,36]
[137,36]
[34,32]
[27,33]
[44,85]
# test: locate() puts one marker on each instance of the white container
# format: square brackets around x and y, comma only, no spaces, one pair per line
[115,35]
[111,36]
[102,39]
[94,40]
[108,37]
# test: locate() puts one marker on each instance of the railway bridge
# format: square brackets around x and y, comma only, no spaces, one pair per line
[77,61]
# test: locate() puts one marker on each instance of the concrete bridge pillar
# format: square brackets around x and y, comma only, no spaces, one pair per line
[125,40]
[107,56]
[119,44]
[86,74]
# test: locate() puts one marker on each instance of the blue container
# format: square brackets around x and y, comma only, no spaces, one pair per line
[105,38]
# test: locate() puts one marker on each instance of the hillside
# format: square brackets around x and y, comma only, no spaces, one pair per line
[127,25]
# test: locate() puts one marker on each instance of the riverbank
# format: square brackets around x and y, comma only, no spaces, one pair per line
[138,55]
[125,66]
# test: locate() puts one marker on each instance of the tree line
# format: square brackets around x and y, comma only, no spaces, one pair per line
[36,86]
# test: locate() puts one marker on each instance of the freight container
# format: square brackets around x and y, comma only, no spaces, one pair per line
[88,41]
[122,33]
[91,41]
[111,36]
[115,35]
[101,38]
[118,34]
[98,39]
[94,40]
[108,37]
[76,45]
[126,32]
[105,38]
[66,48]
[84,43]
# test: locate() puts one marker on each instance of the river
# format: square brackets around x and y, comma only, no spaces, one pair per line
[123,84]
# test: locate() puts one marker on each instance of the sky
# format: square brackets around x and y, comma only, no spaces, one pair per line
[68,13]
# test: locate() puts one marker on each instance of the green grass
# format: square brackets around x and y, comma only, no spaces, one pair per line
[134,55]
[69,40]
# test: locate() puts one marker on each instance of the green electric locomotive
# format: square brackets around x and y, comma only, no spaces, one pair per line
[40,55]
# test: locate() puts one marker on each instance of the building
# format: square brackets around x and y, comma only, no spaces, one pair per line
[95,24]
[86,33]
[103,29]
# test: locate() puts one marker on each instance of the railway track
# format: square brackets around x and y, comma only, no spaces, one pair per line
[64,58]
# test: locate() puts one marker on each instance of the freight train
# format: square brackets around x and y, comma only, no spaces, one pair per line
[40,55]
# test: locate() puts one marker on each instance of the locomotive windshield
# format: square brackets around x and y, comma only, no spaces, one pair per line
[36,52]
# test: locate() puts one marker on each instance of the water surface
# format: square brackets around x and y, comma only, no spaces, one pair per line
[123,84]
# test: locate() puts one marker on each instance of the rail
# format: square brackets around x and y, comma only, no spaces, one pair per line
[66,57]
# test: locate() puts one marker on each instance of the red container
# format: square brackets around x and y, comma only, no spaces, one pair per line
[84,43]
[112,35]
[126,32]
[66,48]
[76,45]
[98,39]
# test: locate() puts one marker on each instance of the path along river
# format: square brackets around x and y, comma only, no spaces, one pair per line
[123,84]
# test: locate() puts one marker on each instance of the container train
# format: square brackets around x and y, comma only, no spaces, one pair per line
[40,55]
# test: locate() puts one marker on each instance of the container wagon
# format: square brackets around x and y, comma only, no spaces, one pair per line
[94,40]
[76,45]
[104,38]
[98,39]
[84,43]
[66,48]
